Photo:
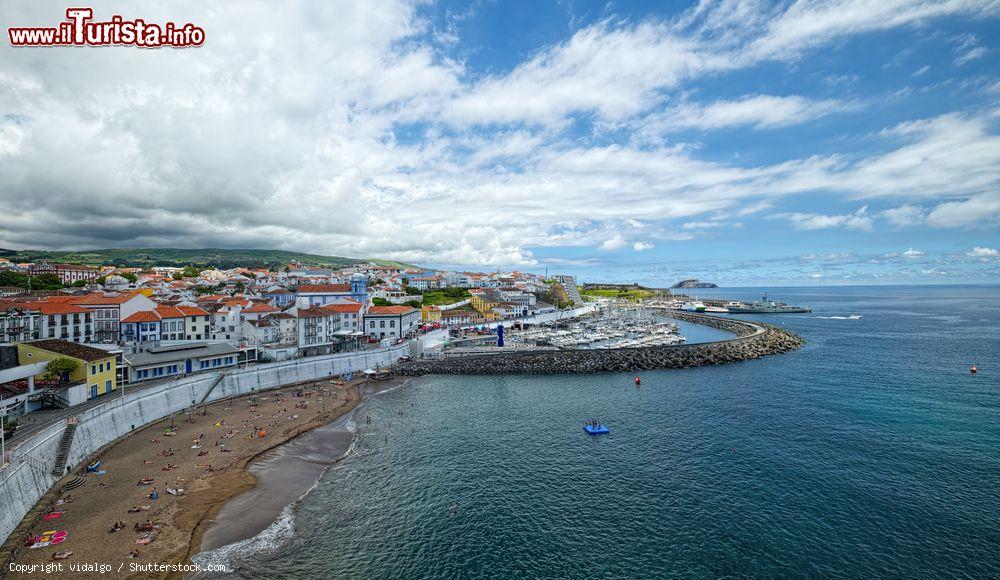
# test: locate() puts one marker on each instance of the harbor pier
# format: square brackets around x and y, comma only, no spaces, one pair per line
[751,340]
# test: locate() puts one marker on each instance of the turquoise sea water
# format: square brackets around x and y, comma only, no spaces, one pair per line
[870,453]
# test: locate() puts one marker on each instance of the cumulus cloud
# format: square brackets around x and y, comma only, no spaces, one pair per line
[642,246]
[981,252]
[913,253]
[352,128]
[904,215]
[614,243]
[859,220]
[978,210]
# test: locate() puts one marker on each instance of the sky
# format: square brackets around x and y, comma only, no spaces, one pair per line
[745,143]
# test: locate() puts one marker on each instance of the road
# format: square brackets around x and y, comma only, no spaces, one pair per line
[36,421]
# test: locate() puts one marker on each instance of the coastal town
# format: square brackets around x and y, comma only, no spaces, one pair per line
[126,325]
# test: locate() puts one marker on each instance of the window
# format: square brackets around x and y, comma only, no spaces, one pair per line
[381,324]
[392,324]
[93,369]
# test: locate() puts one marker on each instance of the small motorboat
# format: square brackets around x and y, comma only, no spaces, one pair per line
[596,429]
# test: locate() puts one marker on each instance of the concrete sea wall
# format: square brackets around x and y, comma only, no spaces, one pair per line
[28,476]
[752,340]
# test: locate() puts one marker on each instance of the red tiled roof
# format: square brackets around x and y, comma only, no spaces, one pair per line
[100,299]
[313,312]
[260,307]
[324,288]
[143,316]
[343,307]
[59,308]
[210,298]
[169,312]
[192,311]
[390,310]
[8,304]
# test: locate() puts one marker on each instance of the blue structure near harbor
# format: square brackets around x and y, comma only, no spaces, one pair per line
[598,429]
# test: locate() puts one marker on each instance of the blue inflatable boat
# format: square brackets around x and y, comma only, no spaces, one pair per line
[599,430]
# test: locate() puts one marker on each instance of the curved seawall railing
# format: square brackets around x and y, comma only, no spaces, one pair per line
[752,340]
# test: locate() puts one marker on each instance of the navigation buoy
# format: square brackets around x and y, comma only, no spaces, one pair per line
[638,381]
[973,370]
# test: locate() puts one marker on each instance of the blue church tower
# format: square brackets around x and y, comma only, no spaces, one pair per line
[358,288]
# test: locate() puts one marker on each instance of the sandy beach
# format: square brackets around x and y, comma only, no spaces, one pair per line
[113,520]
[282,476]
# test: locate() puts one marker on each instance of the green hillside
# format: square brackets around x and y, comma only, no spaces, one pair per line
[202,258]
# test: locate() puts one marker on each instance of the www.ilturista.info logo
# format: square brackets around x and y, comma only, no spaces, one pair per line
[79,30]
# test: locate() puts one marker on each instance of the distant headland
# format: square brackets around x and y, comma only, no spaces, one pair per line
[694,283]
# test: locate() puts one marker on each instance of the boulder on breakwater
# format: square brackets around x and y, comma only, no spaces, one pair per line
[752,340]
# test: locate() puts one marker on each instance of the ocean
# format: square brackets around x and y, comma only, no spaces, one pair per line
[870,453]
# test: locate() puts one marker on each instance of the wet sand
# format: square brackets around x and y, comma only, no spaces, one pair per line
[209,475]
[282,475]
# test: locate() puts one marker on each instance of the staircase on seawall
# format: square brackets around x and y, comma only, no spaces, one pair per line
[59,469]
[222,375]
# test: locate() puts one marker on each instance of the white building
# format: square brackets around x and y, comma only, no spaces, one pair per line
[66,322]
[391,321]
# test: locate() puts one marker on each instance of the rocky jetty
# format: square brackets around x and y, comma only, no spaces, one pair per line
[752,340]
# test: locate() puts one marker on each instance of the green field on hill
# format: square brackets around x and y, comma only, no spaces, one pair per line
[202,258]
[634,295]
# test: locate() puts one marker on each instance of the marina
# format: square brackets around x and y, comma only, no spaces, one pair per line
[613,325]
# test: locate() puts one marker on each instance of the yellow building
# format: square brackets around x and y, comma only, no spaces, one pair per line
[95,367]
[483,303]
[430,314]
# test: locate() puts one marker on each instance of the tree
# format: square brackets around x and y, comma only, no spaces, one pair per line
[415,304]
[61,368]
[8,278]
[380,302]
[412,291]
[190,271]
[46,282]
[129,276]
[79,283]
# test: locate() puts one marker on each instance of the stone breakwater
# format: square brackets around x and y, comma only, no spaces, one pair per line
[753,340]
